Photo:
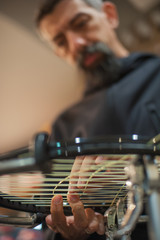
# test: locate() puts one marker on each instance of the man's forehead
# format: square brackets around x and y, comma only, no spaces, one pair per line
[63,13]
[65,5]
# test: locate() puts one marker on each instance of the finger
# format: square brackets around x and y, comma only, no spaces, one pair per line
[57,214]
[75,173]
[101,227]
[49,220]
[88,161]
[50,224]
[93,223]
[80,219]
[100,160]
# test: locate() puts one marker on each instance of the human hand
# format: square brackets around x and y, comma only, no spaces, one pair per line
[97,169]
[81,166]
[77,227]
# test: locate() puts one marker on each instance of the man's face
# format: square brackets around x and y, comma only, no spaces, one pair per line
[74,29]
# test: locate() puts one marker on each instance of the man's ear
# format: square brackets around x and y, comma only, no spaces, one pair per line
[110,11]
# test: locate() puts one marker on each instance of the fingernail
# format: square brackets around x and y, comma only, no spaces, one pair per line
[73,198]
[99,159]
[57,200]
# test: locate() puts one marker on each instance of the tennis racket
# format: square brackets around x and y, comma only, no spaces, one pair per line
[31,176]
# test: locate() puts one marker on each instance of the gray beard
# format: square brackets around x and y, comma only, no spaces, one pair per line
[105,73]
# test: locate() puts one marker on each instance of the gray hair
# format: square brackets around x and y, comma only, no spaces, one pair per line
[49,5]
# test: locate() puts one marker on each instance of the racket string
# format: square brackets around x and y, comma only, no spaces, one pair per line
[103,184]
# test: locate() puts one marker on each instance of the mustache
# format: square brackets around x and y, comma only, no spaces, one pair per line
[97,47]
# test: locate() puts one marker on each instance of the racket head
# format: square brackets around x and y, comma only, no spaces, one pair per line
[35,197]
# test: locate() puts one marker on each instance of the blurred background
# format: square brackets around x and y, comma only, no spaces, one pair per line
[35,86]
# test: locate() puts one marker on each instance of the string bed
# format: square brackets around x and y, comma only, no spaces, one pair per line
[101,185]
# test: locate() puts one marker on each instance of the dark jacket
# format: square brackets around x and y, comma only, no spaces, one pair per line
[129,106]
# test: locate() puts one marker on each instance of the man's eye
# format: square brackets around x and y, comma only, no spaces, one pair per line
[81,24]
[61,43]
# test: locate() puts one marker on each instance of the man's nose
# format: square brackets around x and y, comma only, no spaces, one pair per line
[77,43]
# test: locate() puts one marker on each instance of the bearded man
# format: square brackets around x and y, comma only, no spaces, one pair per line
[121,96]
